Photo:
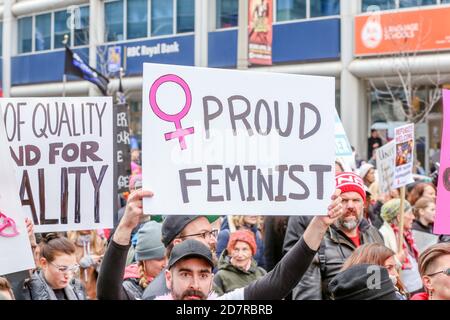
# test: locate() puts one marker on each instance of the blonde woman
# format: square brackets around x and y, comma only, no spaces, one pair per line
[150,261]
[90,248]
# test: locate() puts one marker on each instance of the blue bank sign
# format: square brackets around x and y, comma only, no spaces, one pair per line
[174,50]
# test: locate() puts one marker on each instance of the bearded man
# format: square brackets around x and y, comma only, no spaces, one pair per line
[348,232]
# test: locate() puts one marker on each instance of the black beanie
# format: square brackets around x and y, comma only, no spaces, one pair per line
[363,282]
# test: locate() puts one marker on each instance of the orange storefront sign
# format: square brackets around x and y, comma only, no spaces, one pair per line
[408,31]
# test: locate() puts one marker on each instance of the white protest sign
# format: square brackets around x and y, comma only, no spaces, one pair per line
[63,151]
[15,248]
[404,157]
[386,166]
[227,142]
[344,153]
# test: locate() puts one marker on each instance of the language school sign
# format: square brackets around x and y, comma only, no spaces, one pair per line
[63,150]
[227,142]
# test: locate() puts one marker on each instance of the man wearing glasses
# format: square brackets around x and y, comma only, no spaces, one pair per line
[175,229]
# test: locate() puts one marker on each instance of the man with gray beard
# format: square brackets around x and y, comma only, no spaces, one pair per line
[349,232]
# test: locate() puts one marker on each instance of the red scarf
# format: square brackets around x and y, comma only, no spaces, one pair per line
[410,240]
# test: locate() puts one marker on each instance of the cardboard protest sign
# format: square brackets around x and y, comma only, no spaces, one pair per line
[227,142]
[442,219]
[386,166]
[15,248]
[122,147]
[344,153]
[404,157]
[63,152]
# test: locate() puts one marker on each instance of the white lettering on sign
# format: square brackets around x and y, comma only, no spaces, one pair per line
[160,48]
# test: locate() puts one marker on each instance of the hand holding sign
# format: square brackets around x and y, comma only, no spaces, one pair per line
[132,216]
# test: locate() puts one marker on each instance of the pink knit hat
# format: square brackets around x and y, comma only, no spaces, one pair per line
[243,235]
[348,182]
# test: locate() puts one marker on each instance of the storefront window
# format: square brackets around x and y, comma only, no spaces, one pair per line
[416,3]
[291,9]
[162,17]
[137,19]
[25,34]
[81,30]
[185,16]
[42,32]
[321,8]
[382,4]
[227,13]
[61,28]
[114,21]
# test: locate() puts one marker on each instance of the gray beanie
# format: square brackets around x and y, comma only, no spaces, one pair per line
[149,245]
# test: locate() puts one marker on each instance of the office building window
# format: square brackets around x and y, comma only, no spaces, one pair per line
[81,26]
[61,28]
[114,21]
[319,8]
[391,4]
[1,38]
[42,32]
[185,16]
[291,10]
[25,31]
[416,3]
[137,19]
[381,4]
[162,17]
[227,13]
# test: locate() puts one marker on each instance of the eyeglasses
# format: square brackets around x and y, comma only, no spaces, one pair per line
[65,269]
[204,234]
[446,272]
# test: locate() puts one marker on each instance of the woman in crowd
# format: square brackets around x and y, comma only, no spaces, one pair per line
[232,223]
[434,266]
[377,254]
[423,189]
[424,211]
[407,255]
[55,280]
[237,267]
[90,247]
[150,261]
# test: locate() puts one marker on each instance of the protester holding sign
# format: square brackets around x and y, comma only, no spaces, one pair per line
[269,287]
[407,255]
[55,280]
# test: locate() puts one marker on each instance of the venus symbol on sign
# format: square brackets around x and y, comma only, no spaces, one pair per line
[180,132]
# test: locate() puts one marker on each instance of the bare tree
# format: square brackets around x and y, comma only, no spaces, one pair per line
[403,86]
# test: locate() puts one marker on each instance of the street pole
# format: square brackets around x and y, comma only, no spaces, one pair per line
[64,42]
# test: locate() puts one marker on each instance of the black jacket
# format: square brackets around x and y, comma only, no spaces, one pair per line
[37,288]
[336,247]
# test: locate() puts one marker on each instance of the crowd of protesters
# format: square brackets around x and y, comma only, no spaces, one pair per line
[252,257]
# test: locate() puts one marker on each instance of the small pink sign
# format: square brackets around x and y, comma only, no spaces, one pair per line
[442,220]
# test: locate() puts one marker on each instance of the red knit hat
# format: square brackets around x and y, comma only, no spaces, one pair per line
[242,235]
[348,181]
